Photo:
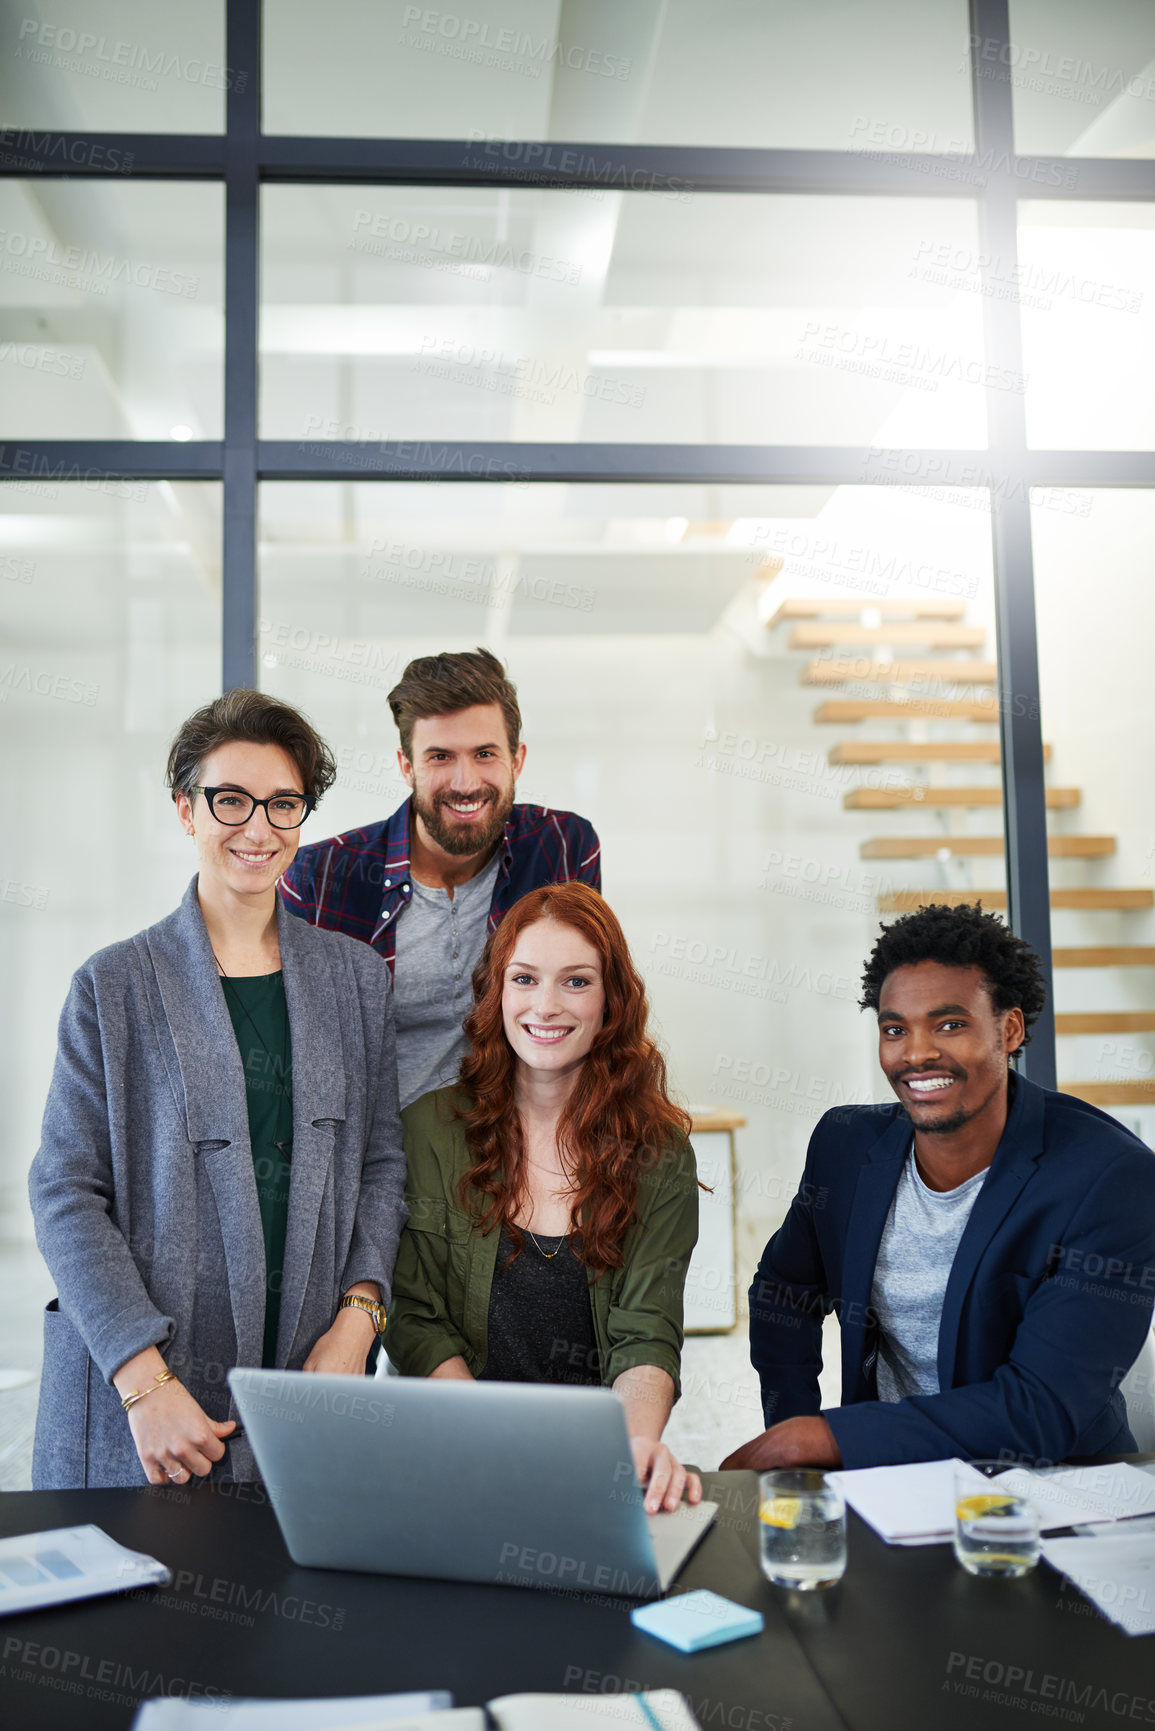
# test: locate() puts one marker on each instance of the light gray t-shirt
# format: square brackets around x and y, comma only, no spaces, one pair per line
[438,944]
[915,1255]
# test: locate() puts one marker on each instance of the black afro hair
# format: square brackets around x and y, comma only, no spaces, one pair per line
[961,937]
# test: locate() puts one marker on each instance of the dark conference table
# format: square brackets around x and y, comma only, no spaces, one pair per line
[906,1641]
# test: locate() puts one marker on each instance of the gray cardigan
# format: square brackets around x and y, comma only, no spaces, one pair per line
[143,1189]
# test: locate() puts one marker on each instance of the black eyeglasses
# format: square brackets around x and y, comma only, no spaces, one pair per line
[233,806]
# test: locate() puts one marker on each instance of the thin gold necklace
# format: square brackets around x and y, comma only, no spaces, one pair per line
[548,1254]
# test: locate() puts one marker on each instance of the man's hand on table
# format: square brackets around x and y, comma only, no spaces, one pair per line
[796,1442]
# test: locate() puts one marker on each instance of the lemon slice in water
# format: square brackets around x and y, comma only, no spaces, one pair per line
[779,1512]
[969,1508]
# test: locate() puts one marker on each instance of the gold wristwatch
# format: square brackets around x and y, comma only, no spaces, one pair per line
[357,1301]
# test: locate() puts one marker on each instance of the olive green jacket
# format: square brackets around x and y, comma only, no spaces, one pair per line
[445,1263]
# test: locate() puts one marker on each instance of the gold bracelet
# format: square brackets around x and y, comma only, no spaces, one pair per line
[159,1381]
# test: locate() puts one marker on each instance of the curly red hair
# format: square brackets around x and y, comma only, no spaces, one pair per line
[618,1119]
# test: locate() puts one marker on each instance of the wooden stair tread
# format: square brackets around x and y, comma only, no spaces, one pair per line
[1105,1022]
[848,709]
[980,846]
[920,751]
[928,796]
[1105,956]
[839,669]
[932,635]
[813,607]
[905,901]
[1112,1093]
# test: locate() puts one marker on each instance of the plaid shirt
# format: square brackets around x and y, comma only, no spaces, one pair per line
[360,882]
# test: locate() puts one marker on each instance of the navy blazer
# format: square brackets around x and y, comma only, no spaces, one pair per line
[1048,1302]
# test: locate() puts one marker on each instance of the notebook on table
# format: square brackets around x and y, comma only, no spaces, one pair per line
[655,1710]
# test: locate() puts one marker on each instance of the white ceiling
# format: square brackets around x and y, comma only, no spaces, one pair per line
[833,74]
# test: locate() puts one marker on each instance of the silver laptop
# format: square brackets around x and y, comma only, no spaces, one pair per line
[514,1483]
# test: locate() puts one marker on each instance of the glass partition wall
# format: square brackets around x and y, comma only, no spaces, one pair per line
[708,675]
[722,372]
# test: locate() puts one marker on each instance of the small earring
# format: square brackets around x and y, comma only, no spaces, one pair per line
[190,832]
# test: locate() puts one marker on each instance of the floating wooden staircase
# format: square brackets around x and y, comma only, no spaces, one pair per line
[907,709]
[847,669]
[921,751]
[975,846]
[969,798]
[905,901]
[1106,1022]
[803,607]
[1106,956]
[866,644]
[929,636]
[1112,1093]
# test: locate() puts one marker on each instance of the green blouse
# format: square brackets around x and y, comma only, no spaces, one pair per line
[260,1020]
[445,1264]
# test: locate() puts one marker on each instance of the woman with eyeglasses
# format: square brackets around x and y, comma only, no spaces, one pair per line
[553,1194]
[220,1180]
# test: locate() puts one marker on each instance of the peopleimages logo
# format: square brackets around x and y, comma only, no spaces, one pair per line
[502,47]
[1046,1693]
[94,272]
[117,61]
[59,147]
[98,1679]
[416,242]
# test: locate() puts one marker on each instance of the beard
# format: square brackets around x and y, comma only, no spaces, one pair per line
[465,839]
[946,1126]
[957,1119]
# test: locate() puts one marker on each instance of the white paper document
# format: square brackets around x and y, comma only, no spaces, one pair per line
[1071,1496]
[906,1505]
[663,1709]
[418,1711]
[914,1504]
[52,1568]
[1117,1574]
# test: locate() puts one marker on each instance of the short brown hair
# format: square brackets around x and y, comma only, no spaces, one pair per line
[442,684]
[259,719]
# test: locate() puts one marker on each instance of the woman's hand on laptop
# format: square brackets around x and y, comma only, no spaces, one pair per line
[663,1476]
[648,1394]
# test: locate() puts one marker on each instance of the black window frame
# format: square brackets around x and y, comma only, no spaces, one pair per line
[994,177]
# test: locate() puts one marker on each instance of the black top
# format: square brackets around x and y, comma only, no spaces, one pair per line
[260,1020]
[541,1322]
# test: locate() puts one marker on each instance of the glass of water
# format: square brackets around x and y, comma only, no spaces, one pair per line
[802,1529]
[996,1531]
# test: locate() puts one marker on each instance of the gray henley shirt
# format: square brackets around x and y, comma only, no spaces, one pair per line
[438,944]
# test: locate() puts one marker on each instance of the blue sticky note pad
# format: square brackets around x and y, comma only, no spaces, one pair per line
[693,1621]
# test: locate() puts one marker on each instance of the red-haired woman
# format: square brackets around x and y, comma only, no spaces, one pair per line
[553,1199]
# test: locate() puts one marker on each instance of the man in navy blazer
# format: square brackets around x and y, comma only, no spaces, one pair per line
[988,1245]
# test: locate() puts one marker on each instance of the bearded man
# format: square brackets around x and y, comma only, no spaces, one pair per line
[427,886]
